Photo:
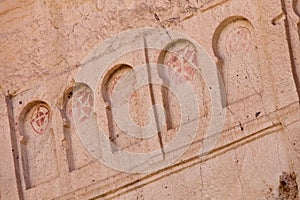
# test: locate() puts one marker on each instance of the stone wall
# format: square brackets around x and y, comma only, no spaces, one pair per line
[254,45]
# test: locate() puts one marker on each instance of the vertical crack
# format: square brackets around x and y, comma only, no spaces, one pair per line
[153,98]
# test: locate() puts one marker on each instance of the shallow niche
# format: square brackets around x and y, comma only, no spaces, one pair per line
[296,6]
[38,153]
[181,61]
[125,74]
[78,107]
[235,46]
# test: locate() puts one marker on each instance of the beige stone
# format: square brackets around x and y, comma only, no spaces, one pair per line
[46,44]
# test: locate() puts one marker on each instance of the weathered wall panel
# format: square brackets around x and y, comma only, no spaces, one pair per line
[44,45]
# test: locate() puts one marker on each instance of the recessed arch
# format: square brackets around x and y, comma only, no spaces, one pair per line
[296,7]
[181,64]
[225,25]
[110,79]
[77,107]
[38,140]
[118,138]
[234,44]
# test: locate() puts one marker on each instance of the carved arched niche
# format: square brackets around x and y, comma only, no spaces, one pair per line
[38,152]
[234,45]
[118,138]
[296,6]
[78,107]
[181,62]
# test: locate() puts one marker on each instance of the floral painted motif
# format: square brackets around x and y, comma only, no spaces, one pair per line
[82,103]
[183,62]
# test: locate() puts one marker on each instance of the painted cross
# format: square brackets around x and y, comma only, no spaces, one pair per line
[40,119]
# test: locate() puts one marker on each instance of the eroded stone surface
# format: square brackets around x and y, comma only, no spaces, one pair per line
[288,187]
[255,46]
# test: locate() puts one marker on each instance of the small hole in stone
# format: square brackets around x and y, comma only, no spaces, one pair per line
[283,183]
[70,95]
[242,128]
[78,64]
[20,102]
[257,114]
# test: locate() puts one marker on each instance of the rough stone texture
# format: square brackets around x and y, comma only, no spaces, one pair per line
[288,188]
[255,45]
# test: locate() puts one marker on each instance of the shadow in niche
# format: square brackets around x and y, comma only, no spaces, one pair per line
[165,90]
[67,129]
[296,7]
[298,25]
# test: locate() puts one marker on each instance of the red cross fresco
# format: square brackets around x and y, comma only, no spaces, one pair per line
[40,119]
